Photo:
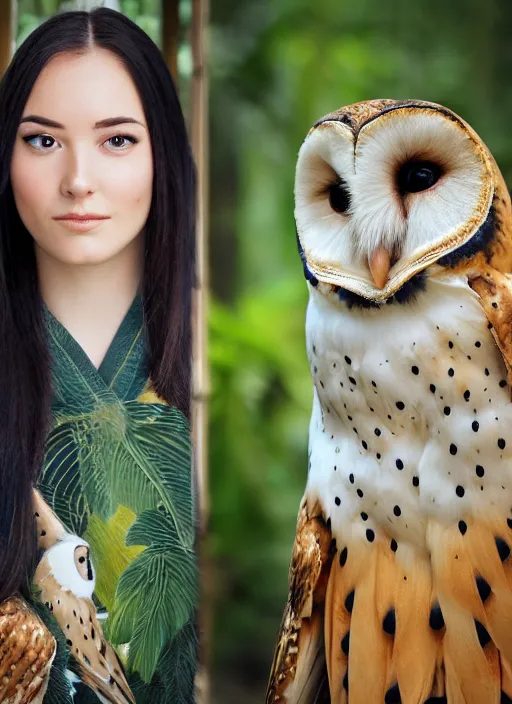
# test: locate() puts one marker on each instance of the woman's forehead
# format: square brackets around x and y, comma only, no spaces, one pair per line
[81,89]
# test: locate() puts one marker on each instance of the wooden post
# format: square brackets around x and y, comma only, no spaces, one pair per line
[197,120]
[7,17]
[170,35]
[199,139]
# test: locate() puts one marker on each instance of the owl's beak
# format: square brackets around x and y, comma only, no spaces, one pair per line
[380,264]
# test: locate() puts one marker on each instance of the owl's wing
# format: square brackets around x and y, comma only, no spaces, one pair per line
[299,673]
[49,528]
[27,652]
[495,291]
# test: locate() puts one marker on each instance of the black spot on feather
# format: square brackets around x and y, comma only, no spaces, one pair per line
[482,633]
[502,548]
[389,622]
[393,695]
[349,602]
[343,557]
[483,587]
[480,241]
[345,643]
[436,620]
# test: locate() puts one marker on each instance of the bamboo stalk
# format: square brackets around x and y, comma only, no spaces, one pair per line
[198,133]
[199,140]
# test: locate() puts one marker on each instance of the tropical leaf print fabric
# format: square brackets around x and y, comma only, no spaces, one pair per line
[117,473]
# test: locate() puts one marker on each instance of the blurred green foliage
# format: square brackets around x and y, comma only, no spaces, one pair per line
[275,68]
[31,13]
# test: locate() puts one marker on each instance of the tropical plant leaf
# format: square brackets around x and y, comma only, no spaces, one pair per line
[174,677]
[149,464]
[134,454]
[156,594]
[59,482]
[109,552]
[179,664]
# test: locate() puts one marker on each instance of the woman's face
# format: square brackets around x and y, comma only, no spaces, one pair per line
[79,166]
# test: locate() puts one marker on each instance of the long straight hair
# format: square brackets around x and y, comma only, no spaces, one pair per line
[168,277]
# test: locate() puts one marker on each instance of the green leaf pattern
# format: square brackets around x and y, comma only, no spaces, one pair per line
[119,468]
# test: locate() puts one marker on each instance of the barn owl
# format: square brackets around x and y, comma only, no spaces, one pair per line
[65,575]
[400,584]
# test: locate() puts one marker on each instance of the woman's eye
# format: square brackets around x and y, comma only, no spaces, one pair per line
[44,137]
[120,147]
[415,176]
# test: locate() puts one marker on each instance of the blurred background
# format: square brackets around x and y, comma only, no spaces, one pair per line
[275,67]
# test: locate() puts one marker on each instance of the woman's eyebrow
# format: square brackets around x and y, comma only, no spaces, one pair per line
[108,122]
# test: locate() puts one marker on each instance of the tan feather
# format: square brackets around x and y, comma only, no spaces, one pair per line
[49,528]
[303,677]
[374,611]
[27,650]
[377,620]
[495,291]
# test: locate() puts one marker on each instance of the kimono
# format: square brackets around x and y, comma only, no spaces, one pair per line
[117,475]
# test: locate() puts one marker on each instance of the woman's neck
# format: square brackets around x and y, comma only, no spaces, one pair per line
[91,301]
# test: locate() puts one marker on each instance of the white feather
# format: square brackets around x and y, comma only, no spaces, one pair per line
[383,345]
[61,563]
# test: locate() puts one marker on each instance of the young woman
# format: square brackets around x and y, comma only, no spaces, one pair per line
[97,211]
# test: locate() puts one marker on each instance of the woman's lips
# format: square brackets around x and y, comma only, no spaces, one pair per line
[80,225]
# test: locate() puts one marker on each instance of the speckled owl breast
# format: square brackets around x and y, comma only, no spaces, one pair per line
[411,415]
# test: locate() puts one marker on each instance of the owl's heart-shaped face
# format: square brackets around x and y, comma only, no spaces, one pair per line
[385,189]
[68,563]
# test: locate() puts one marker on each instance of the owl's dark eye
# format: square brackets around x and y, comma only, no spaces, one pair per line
[415,176]
[339,197]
